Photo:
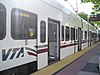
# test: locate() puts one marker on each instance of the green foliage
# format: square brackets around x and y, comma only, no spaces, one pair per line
[96,10]
[92,1]
[83,15]
[96,7]
[96,24]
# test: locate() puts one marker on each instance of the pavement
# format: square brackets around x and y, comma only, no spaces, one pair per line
[92,66]
[87,64]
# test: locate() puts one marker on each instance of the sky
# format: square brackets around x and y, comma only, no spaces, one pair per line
[82,7]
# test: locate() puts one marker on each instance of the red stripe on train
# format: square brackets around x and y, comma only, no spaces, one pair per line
[32,54]
[42,50]
[68,45]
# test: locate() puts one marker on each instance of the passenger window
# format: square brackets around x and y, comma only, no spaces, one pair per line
[85,34]
[42,31]
[95,35]
[23,24]
[2,21]
[82,34]
[62,33]
[67,33]
[76,34]
[72,33]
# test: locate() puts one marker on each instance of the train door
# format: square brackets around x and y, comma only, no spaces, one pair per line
[76,41]
[90,37]
[79,39]
[53,41]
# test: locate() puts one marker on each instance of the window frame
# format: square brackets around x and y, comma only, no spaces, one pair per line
[82,33]
[67,31]
[25,22]
[3,27]
[41,39]
[85,34]
[62,32]
[76,34]
[72,33]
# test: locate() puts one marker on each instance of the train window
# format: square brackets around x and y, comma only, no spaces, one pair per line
[95,35]
[67,34]
[62,33]
[2,21]
[85,34]
[82,34]
[76,34]
[92,35]
[72,33]
[42,31]
[23,24]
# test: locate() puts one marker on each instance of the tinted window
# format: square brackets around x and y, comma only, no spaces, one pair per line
[67,34]
[42,31]
[76,34]
[2,21]
[62,33]
[72,33]
[23,24]
[85,34]
[82,34]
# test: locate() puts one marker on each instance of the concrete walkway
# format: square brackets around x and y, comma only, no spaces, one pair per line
[87,64]
[92,66]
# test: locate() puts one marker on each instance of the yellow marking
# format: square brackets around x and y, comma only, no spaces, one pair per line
[31,34]
[62,63]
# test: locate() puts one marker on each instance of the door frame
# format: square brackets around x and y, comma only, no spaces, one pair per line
[79,39]
[58,30]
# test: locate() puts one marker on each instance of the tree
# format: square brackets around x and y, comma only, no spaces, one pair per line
[83,15]
[92,1]
[96,7]
[96,10]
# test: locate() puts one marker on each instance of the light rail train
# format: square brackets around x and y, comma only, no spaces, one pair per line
[37,33]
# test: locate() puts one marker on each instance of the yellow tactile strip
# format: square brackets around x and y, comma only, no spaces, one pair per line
[60,64]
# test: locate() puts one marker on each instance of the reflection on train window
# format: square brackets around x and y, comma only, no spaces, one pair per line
[92,36]
[23,24]
[42,31]
[95,35]
[2,21]
[76,34]
[67,33]
[82,34]
[62,33]
[72,33]
[85,34]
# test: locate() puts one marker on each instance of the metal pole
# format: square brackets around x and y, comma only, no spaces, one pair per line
[72,6]
[76,6]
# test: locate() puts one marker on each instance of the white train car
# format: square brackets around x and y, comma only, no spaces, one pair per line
[85,28]
[37,33]
[98,35]
[92,35]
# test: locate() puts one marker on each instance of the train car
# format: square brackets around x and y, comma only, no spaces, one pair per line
[92,35]
[98,35]
[85,28]
[37,33]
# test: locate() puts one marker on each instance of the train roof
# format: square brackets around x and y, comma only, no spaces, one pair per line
[60,7]
[67,11]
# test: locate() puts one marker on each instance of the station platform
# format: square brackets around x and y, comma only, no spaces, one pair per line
[85,62]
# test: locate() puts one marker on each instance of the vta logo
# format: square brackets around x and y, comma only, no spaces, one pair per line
[12,53]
